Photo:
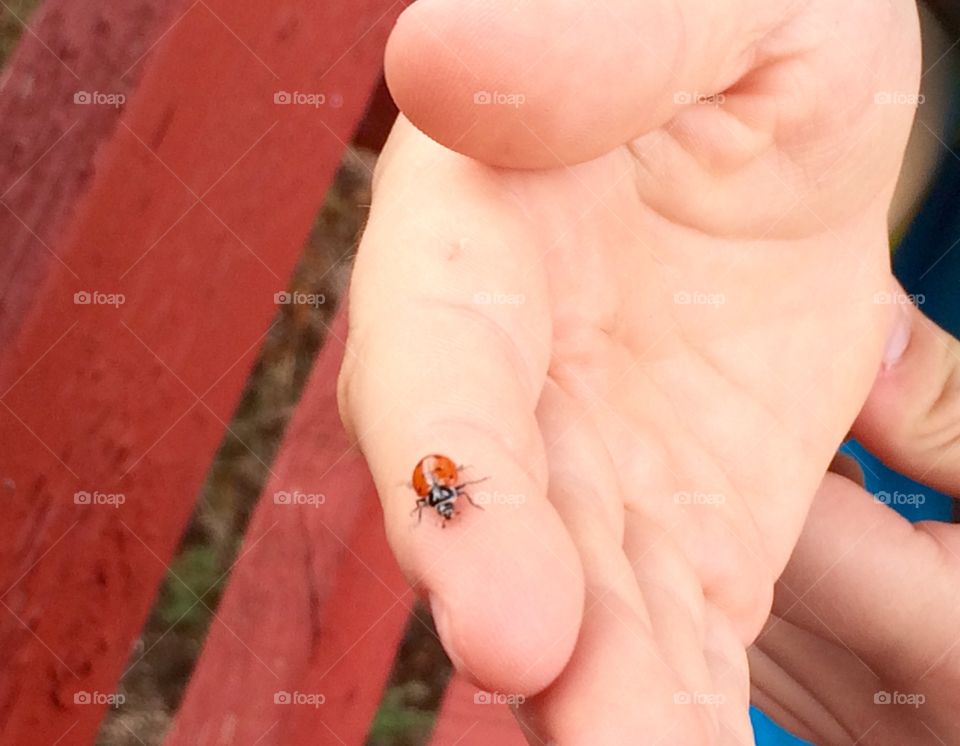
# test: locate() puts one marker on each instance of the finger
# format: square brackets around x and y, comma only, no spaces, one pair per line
[700,643]
[639,665]
[788,664]
[483,76]
[781,693]
[854,557]
[727,662]
[911,419]
[432,371]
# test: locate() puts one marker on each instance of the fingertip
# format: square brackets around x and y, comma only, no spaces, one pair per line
[440,75]
[481,78]
[508,615]
[503,577]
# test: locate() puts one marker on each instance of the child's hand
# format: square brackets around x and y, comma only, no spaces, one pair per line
[652,354]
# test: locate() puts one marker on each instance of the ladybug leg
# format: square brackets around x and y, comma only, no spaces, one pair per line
[462,468]
[472,481]
[461,491]
[421,503]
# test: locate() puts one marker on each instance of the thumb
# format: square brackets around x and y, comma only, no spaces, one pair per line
[911,419]
[526,85]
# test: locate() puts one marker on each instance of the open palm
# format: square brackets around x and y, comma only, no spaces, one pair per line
[651,334]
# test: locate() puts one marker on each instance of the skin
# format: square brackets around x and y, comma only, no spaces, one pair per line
[649,323]
[869,602]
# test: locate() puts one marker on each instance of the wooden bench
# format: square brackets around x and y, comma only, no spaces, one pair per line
[156,189]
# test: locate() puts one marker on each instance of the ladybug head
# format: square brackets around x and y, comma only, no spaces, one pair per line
[445,509]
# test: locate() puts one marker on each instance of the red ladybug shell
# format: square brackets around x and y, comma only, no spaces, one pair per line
[434,469]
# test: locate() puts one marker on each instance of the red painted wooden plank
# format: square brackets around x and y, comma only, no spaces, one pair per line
[47,141]
[473,717]
[195,216]
[308,627]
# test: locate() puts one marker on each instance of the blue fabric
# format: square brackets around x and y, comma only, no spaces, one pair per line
[927,263]
[769,733]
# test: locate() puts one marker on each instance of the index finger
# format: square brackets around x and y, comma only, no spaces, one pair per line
[435,367]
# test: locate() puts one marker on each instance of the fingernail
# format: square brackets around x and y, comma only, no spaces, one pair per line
[899,337]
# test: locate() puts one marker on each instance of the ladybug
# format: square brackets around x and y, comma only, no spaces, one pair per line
[435,480]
